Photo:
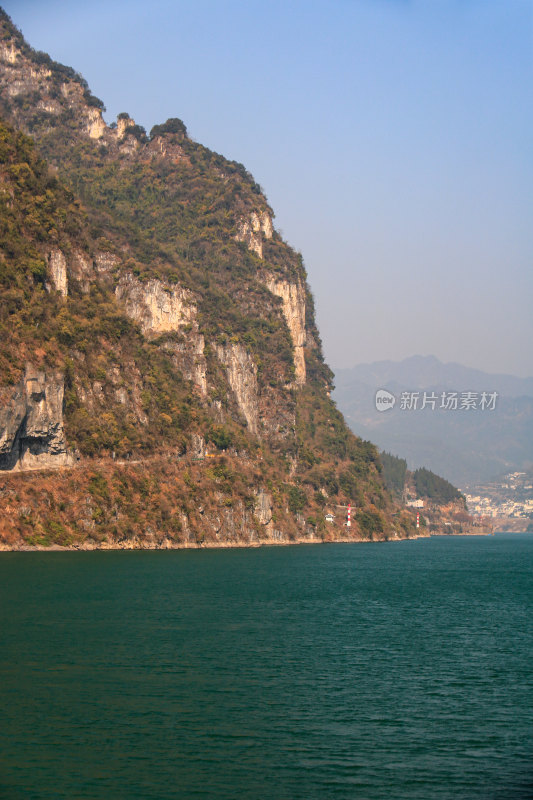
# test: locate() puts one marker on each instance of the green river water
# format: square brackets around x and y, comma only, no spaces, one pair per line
[399,671]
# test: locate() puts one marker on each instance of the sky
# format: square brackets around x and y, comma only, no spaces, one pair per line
[393,138]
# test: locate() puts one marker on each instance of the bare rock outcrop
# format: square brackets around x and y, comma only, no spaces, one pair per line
[252,229]
[163,308]
[125,135]
[242,377]
[31,423]
[22,79]
[157,307]
[293,299]
[8,52]
[263,507]
[80,266]
[96,126]
[57,268]
[123,123]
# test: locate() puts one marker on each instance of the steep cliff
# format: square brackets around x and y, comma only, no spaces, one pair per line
[31,423]
[156,306]
[242,377]
[293,299]
[254,229]
[144,274]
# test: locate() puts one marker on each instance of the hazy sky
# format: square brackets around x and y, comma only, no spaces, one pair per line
[393,139]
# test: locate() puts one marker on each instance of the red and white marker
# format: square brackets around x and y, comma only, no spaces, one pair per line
[418,519]
[349,521]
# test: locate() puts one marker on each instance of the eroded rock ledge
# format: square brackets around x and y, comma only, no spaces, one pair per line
[31,423]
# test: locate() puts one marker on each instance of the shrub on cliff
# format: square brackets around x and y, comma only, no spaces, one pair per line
[172,125]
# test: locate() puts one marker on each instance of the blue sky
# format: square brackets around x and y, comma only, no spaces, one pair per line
[393,139]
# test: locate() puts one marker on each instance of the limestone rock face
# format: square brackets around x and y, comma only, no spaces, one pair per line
[8,52]
[198,448]
[293,299]
[128,143]
[251,230]
[31,423]
[80,266]
[21,79]
[263,507]
[96,126]
[242,377]
[158,307]
[57,265]
[123,123]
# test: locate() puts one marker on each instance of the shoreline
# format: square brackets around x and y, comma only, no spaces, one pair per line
[131,547]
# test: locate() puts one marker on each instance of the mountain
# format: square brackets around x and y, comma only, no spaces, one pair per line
[464,445]
[161,374]
[421,372]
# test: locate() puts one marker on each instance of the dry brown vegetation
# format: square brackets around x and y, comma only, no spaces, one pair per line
[163,501]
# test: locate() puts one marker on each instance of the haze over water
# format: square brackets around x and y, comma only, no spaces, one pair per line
[373,671]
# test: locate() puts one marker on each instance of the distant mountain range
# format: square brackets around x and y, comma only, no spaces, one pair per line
[465,446]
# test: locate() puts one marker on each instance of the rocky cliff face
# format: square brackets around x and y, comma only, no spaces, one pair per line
[242,377]
[252,230]
[87,270]
[63,96]
[145,269]
[161,308]
[57,266]
[157,307]
[293,298]
[31,423]
[58,90]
